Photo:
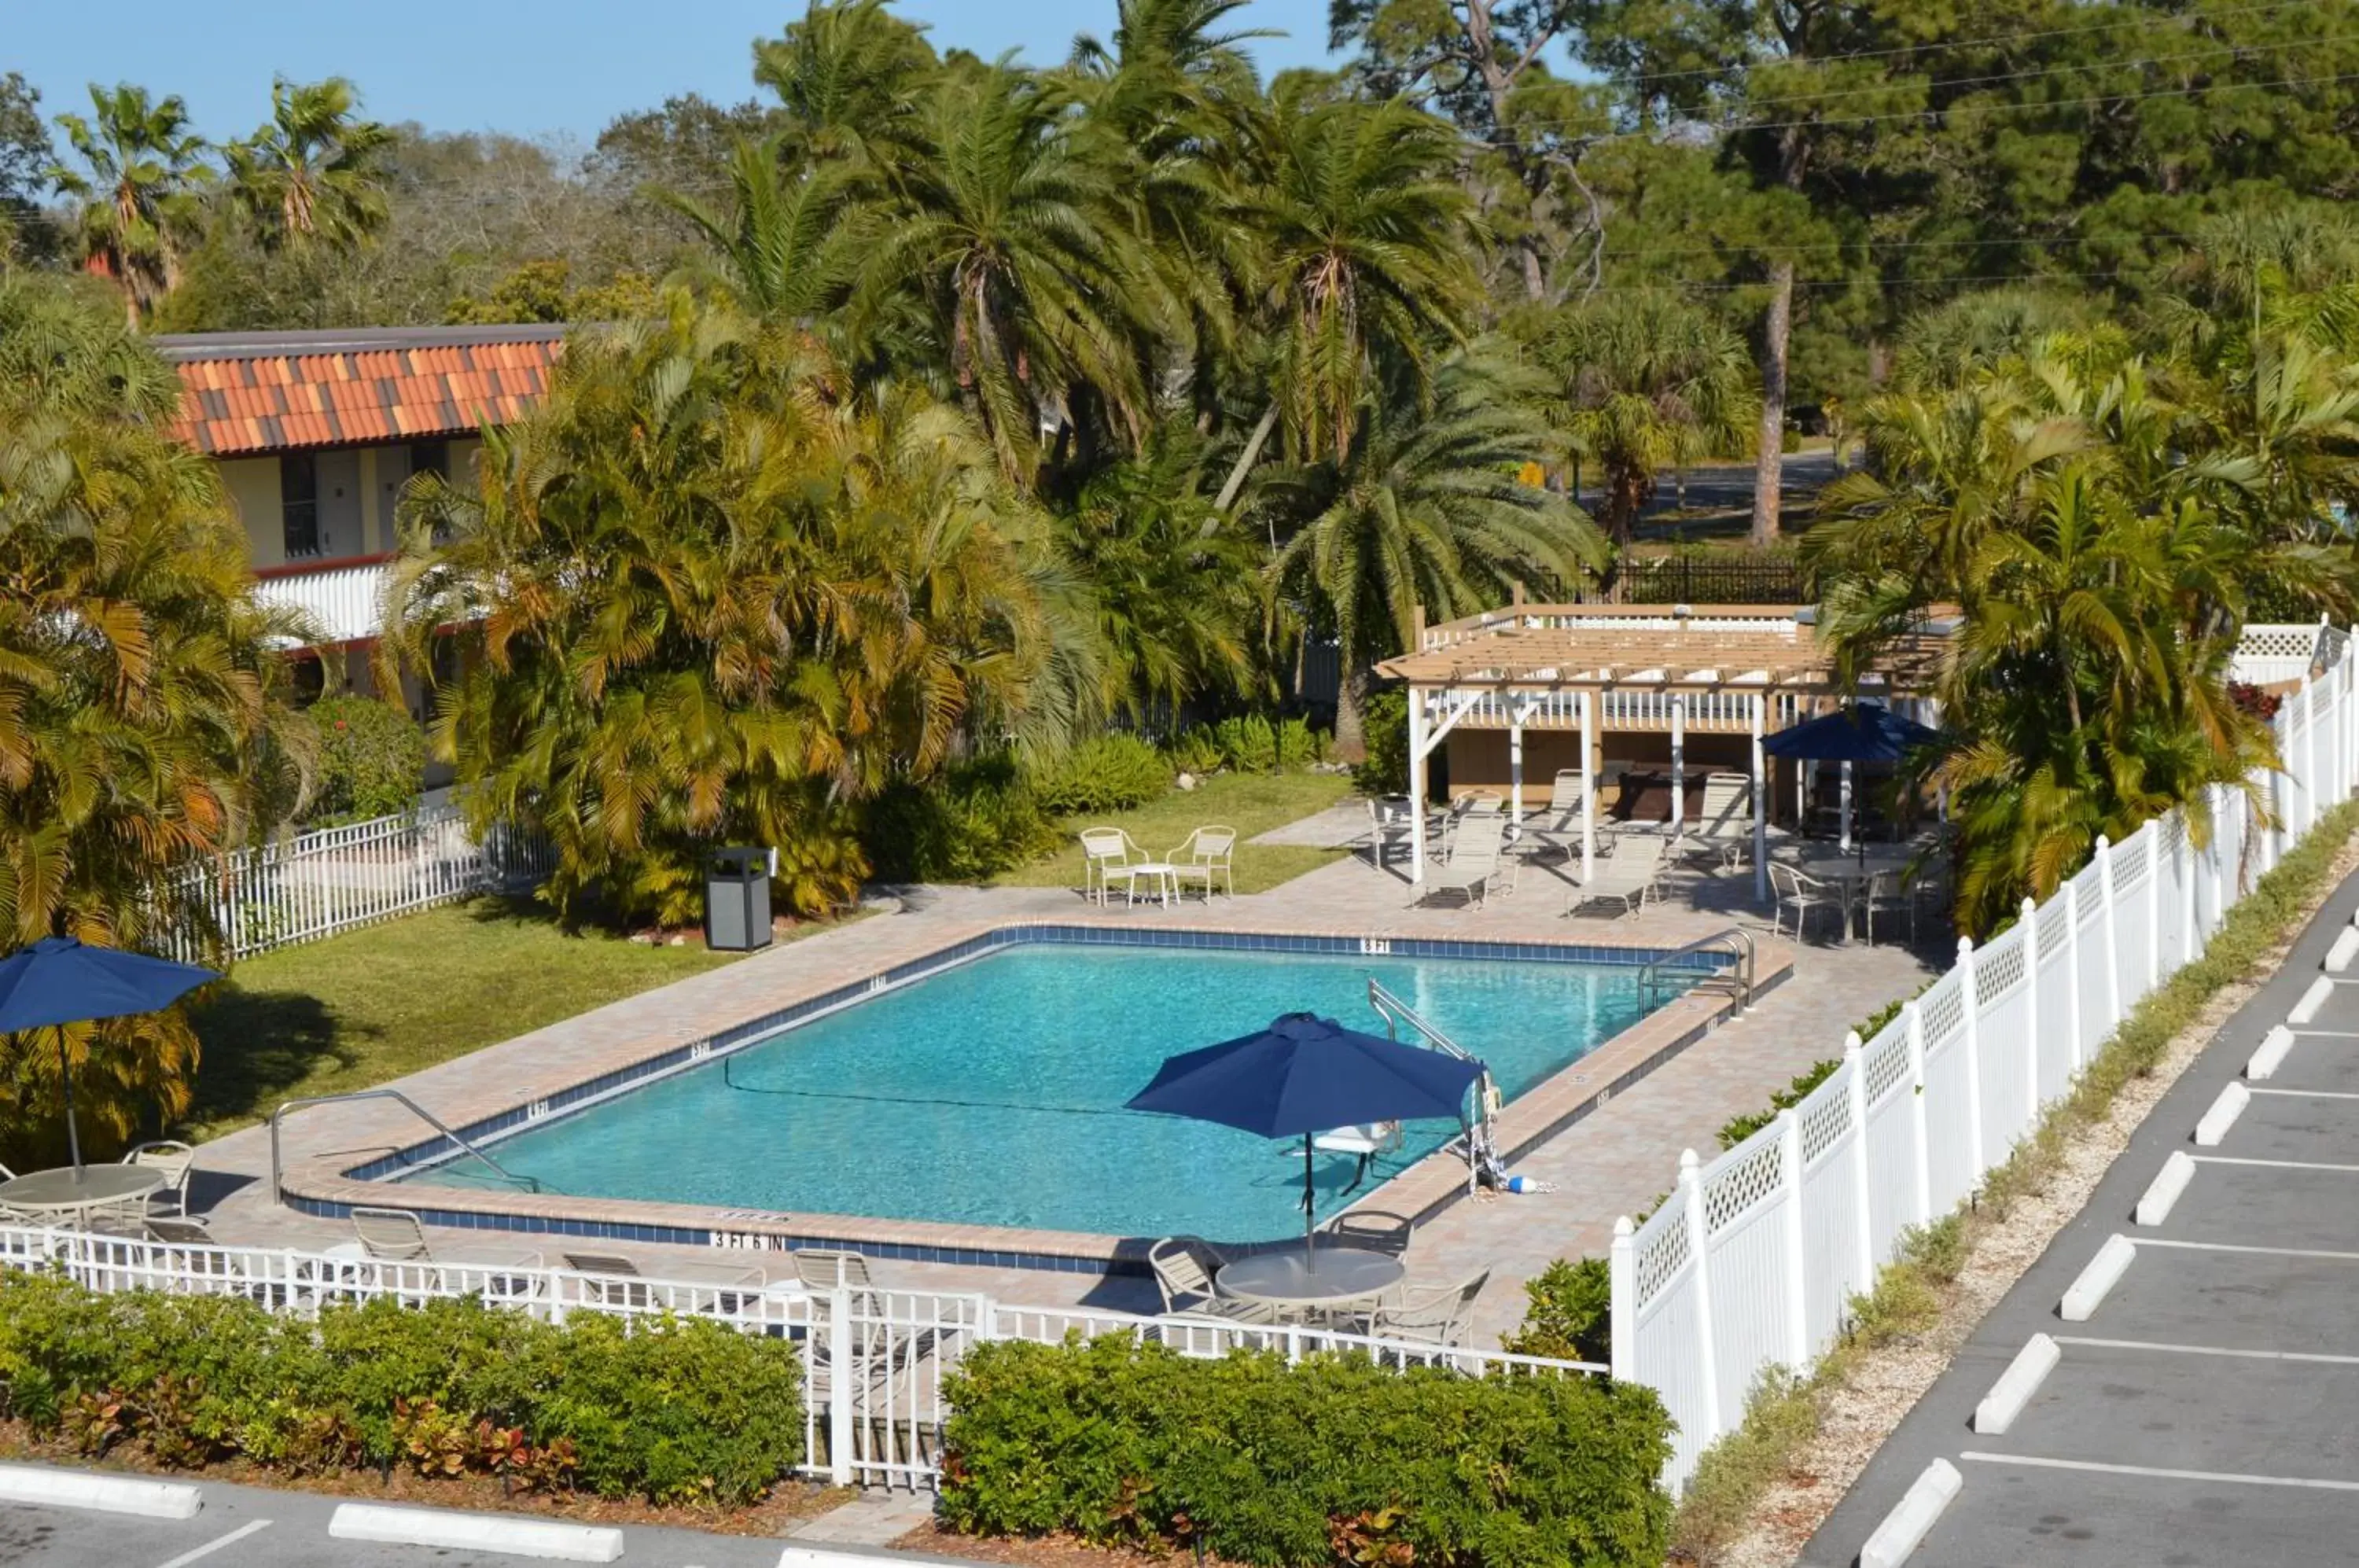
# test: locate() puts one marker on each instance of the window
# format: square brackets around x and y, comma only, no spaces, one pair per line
[431,457]
[309,679]
[299,505]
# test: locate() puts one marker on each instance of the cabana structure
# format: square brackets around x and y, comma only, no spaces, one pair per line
[1538,689]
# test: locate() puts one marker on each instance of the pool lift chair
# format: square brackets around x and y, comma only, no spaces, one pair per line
[1478,1142]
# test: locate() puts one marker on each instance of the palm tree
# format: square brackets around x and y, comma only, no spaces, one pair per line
[719,598]
[1368,277]
[143,726]
[1011,241]
[136,192]
[311,175]
[1426,510]
[785,241]
[851,75]
[1650,382]
[2101,588]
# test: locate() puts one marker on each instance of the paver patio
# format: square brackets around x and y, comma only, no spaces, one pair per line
[1613,1162]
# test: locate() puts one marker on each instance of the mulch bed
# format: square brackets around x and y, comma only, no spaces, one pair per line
[1042,1551]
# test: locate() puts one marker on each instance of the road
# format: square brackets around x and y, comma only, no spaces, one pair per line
[242,1527]
[2206,1411]
[1727,486]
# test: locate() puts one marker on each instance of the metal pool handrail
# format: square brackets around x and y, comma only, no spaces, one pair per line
[278,1191]
[1735,940]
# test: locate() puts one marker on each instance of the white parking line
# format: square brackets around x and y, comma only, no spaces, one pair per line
[210,1547]
[2270,1164]
[2306,1093]
[2171,1349]
[2092,1466]
[2324,1034]
[2266,1251]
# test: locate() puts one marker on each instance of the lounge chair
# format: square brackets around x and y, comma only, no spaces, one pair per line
[832,1268]
[1475,857]
[1205,856]
[1183,1267]
[1438,1315]
[172,1161]
[393,1236]
[1389,824]
[1723,827]
[1629,874]
[616,1280]
[1366,1142]
[1372,1230]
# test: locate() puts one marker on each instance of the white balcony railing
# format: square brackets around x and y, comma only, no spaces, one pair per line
[344,600]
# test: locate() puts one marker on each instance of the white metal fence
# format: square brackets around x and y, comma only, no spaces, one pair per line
[1751,1260]
[874,1359]
[316,884]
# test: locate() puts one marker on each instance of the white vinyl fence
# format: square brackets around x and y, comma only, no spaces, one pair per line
[1750,1261]
[316,884]
[874,1359]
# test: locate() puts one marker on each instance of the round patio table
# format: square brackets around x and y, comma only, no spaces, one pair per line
[1291,1280]
[61,1192]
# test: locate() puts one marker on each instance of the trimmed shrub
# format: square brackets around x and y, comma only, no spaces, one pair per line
[1299,746]
[672,1410]
[1249,744]
[1109,773]
[1568,1315]
[979,818]
[372,761]
[1301,1466]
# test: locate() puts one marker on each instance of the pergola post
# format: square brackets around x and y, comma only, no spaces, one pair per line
[1517,711]
[1588,784]
[1678,763]
[1760,803]
[1845,841]
[1416,785]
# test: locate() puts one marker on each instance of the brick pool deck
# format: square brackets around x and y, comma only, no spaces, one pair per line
[1615,1158]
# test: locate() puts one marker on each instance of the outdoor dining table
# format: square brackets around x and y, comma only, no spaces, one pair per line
[1292,1281]
[1850,875]
[67,1192]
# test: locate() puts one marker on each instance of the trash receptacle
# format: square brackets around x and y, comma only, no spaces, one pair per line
[737,902]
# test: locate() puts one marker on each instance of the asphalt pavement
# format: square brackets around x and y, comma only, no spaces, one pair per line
[2206,1413]
[242,1527]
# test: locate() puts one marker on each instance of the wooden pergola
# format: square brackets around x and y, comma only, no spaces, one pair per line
[1672,667]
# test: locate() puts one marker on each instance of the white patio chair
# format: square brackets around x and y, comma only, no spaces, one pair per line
[1372,1230]
[172,1161]
[1183,1267]
[1437,1314]
[1107,854]
[1630,873]
[1207,855]
[1475,857]
[395,1235]
[1801,892]
[1884,894]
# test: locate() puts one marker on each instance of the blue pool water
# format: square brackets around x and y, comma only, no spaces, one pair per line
[991,1093]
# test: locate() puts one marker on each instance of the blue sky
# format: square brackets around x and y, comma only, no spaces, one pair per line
[527,66]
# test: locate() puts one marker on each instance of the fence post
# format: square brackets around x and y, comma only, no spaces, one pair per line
[1798,1326]
[2153,830]
[2029,922]
[1854,1069]
[842,1378]
[1622,1268]
[1915,1022]
[2183,859]
[1970,994]
[2309,779]
[2223,799]
[2111,911]
[1699,1237]
[2073,969]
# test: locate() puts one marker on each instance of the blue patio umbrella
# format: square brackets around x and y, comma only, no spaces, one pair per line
[1306,1074]
[1868,733]
[60,980]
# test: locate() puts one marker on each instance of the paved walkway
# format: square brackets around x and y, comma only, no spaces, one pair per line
[2206,1411]
[1613,1162]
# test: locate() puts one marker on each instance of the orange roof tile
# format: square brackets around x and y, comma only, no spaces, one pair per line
[246,393]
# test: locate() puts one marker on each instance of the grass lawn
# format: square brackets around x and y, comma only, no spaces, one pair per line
[373,1004]
[1251,803]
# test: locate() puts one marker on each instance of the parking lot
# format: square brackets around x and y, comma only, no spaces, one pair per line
[2206,1410]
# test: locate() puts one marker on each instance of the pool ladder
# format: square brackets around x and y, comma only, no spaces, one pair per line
[1396,1013]
[1736,979]
[278,1191]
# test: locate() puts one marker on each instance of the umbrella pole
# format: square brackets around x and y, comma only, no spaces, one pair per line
[65,1080]
[1309,1228]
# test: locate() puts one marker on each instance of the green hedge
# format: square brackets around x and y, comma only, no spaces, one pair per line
[675,1411]
[1331,1459]
[978,819]
[1106,773]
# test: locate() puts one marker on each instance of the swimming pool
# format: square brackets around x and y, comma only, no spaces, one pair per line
[991,1093]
